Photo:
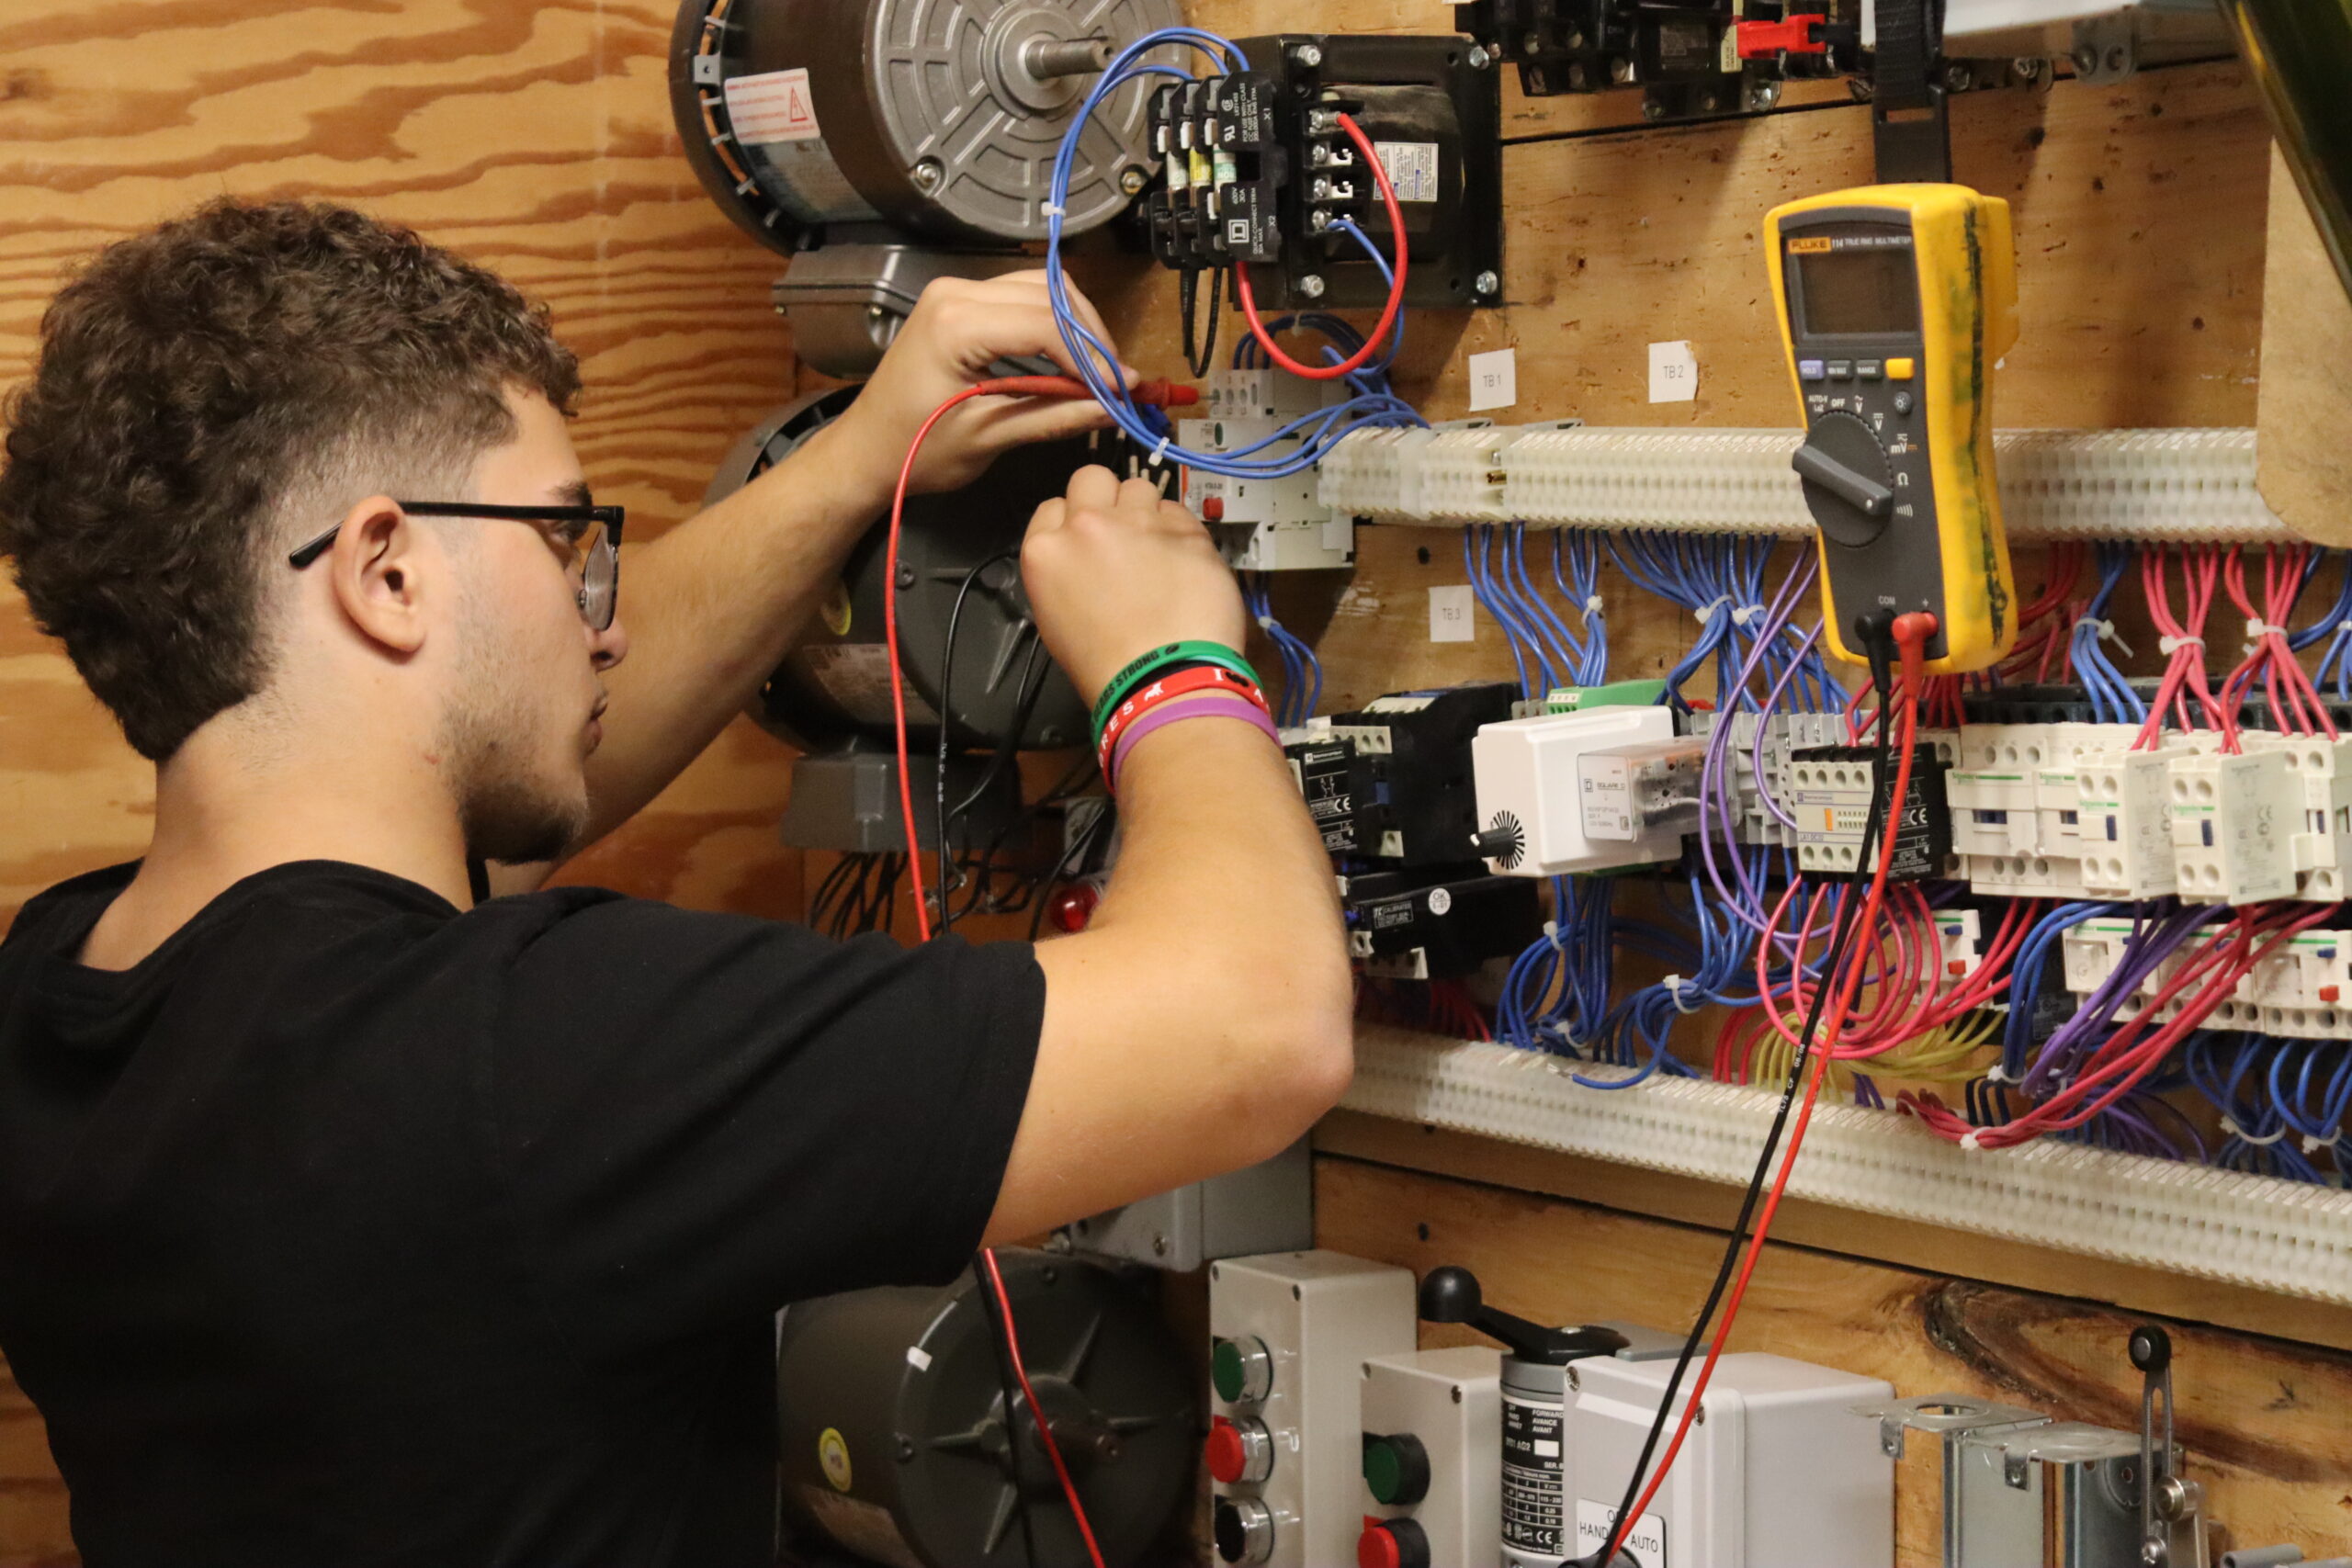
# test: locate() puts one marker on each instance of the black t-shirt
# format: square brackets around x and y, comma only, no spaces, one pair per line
[348,1228]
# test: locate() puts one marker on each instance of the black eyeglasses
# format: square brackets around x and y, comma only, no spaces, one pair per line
[594,534]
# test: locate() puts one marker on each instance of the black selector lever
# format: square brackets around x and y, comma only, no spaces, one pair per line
[1451,1295]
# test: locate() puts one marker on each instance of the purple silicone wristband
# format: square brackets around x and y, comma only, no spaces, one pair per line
[1176,712]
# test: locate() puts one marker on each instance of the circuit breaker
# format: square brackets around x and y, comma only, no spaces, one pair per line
[1292,1333]
[1780,1470]
[1432,1424]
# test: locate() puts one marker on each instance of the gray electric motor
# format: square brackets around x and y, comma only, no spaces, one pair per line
[889,142]
[895,1439]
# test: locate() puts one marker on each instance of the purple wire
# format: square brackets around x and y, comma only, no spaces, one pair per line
[2149,946]
[1714,789]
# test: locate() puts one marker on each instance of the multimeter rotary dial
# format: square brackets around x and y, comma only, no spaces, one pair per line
[1848,480]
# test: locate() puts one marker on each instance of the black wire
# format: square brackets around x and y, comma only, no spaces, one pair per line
[1011,1408]
[1188,293]
[1207,360]
[1848,919]
[946,856]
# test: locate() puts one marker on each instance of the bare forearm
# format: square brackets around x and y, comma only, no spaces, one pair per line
[713,605]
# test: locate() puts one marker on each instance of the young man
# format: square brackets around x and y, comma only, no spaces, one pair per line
[343,1220]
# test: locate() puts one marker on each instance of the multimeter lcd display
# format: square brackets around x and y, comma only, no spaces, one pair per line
[1855,292]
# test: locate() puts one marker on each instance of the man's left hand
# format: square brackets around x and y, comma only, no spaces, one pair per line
[957,330]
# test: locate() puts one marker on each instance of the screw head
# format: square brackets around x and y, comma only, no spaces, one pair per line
[2027,67]
[1160,1246]
[1533,43]
[1575,39]
[1480,58]
[1763,95]
[2117,60]
[2086,61]
[927,174]
[906,1448]
[1308,55]
[1621,69]
[1578,77]
[1652,109]
[1487,283]
[905,577]
[1959,76]
[1311,286]
[1131,180]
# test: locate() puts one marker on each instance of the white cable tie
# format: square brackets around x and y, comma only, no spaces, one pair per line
[2172,645]
[2244,1137]
[1674,985]
[2257,628]
[1552,934]
[1593,607]
[1971,1140]
[2106,633]
[1266,623]
[1159,452]
[1996,1073]
[1706,612]
[1748,614]
[1051,209]
[2316,1146]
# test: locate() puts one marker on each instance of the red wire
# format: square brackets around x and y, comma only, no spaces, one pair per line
[1010,386]
[1373,344]
[1914,648]
[1037,1411]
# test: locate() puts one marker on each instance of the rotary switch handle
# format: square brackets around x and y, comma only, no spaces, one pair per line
[1847,483]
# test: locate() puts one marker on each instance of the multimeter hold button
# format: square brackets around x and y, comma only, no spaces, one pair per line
[1811,370]
[1903,404]
[1869,370]
[1902,369]
[1841,370]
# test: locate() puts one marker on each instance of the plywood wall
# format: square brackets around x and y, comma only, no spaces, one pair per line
[535,139]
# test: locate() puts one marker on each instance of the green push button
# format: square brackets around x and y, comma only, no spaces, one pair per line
[1224,1371]
[1240,1370]
[1396,1468]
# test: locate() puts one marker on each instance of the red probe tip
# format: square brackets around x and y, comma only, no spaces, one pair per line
[1914,630]
[1166,394]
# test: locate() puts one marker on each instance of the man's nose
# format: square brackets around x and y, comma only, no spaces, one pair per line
[609,647]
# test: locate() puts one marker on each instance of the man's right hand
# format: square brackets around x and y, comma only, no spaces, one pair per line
[1113,570]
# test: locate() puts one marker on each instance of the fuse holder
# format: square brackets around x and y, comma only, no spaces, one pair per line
[1796,35]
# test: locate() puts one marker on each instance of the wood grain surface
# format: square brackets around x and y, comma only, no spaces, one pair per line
[534,138]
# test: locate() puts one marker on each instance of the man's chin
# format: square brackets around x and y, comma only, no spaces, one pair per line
[518,833]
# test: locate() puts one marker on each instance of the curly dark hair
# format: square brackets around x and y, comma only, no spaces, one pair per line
[208,389]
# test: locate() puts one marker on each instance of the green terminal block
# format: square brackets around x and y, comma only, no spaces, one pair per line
[1618,695]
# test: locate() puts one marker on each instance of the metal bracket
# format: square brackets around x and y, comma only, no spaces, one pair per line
[2107,49]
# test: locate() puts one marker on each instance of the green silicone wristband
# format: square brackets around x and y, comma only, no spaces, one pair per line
[1158,661]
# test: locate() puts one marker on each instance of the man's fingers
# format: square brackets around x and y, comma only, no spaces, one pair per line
[1139,500]
[1093,488]
[1049,517]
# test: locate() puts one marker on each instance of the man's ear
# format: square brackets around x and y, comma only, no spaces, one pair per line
[381,568]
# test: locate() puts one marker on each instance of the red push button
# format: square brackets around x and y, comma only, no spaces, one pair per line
[1392,1544]
[1226,1455]
[1213,509]
[2328,993]
[1239,1450]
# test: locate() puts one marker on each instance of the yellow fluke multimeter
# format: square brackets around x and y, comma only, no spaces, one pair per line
[1896,302]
